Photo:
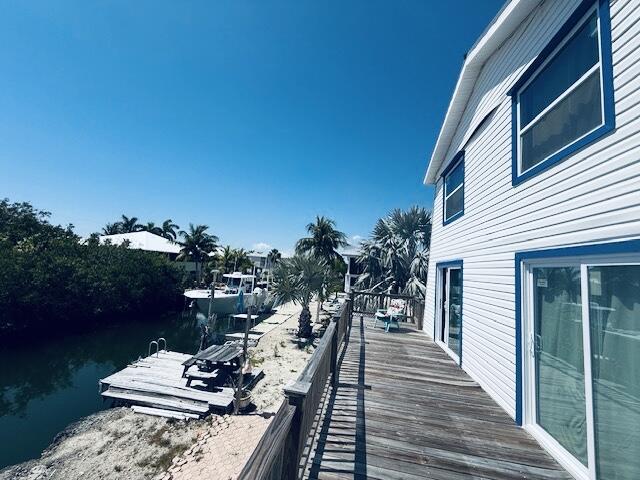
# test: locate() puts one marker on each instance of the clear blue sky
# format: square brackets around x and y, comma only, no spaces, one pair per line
[250,117]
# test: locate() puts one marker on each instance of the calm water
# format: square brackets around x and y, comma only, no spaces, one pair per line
[45,387]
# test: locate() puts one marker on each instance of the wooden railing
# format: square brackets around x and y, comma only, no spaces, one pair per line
[367,303]
[280,450]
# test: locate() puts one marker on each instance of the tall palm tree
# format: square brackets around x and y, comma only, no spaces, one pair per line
[195,245]
[112,228]
[170,229]
[396,257]
[297,280]
[323,241]
[151,227]
[130,224]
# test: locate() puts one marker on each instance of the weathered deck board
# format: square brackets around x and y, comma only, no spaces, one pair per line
[157,382]
[404,410]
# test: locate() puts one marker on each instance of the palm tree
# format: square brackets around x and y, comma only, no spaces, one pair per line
[112,228]
[225,260]
[396,257]
[273,257]
[196,245]
[130,224]
[170,229]
[152,228]
[323,241]
[241,260]
[297,280]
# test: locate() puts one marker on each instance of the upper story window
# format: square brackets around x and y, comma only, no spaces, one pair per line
[453,176]
[565,99]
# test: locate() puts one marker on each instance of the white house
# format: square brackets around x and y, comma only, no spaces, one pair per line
[150,242]
[534,272]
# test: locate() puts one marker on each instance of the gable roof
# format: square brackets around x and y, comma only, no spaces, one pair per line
[143,241]
[499,30]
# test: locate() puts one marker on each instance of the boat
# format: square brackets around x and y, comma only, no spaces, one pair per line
[225,300]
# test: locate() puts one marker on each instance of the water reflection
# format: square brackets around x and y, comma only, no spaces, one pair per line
[46,386]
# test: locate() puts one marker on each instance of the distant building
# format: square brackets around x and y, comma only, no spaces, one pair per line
[354,269]
[258,259]
[150,242]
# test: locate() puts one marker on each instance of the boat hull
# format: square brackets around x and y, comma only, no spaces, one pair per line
[223,303]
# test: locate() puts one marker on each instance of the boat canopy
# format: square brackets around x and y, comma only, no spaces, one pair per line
[238,275]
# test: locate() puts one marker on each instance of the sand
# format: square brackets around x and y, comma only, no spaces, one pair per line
[117,443]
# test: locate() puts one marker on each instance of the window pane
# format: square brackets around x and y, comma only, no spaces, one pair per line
[454,178]
[454,203]
[614,310]
[455,310]
[559,357]
[577,114]
[574,59]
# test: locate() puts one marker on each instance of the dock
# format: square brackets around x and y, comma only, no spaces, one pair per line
[155,385]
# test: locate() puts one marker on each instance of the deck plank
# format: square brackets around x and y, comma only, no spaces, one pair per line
[404,410]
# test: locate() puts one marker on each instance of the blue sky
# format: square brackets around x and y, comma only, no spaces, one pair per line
[250,117]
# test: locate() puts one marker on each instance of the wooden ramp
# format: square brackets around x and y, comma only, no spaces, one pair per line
[156,382]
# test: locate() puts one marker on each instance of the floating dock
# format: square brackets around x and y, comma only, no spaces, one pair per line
[155,385]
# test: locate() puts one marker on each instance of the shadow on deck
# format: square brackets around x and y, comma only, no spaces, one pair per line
[404,410]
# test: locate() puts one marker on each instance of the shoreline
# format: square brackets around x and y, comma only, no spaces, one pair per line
[118,443]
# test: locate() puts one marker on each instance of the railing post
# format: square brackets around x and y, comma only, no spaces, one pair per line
[334,351]
[293,453]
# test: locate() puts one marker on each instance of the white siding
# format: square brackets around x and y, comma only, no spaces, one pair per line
[593,196]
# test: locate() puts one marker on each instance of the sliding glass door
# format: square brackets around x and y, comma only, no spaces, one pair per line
[449,327]
[583,369]
[614,313]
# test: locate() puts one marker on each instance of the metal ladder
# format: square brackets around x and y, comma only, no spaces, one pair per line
[157,344]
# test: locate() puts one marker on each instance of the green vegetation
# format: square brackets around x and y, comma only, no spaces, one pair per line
[231,260]
[130,224]
[396,257]
[316,270]
[50,281]
[195,245]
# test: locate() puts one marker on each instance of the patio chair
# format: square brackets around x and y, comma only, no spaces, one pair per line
[390,316]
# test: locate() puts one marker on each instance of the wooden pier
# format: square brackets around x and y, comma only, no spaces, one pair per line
[155,385]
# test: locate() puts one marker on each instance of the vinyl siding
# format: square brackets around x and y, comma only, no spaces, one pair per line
[591,197]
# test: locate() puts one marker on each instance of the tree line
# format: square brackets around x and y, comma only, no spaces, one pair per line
[51,281]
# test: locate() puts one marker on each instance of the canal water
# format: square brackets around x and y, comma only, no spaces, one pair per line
[46,386]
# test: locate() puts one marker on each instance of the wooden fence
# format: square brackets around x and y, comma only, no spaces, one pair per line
[367,303]
[278,454]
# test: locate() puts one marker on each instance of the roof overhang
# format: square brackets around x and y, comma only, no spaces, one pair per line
[498,31]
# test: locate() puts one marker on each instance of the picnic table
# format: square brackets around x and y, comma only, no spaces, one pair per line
[212,363]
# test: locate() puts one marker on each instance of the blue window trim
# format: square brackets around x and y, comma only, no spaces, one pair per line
[439,267]
[607,88]
[611,248]
[459,157]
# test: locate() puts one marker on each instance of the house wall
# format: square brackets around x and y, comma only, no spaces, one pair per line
[592,196]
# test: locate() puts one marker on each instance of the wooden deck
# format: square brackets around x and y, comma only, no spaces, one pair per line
[404,410]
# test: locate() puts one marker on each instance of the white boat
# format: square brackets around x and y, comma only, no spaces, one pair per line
[225,301]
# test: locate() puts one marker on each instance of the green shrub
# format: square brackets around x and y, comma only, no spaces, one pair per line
[51,281]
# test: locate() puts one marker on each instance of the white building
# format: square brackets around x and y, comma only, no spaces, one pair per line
[354,270]
[150,242]
[534,272]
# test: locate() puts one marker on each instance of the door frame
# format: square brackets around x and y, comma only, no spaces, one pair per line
[620,253]
[441,268]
